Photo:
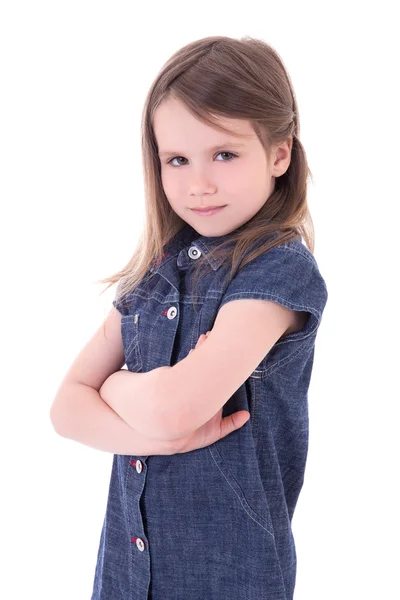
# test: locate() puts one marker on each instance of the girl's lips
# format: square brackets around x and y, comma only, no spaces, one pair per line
[206,213]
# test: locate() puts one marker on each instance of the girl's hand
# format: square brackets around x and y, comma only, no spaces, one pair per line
[215,429]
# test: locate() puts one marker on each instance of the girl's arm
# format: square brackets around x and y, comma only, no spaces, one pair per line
[85,406]
[139,399]
[83,416]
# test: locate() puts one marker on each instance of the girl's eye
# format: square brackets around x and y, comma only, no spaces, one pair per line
[228,160]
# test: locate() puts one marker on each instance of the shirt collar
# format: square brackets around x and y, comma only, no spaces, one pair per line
[177,250]
[188,238]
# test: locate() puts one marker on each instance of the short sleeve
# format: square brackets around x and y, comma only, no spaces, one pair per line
[288,275]
[121,302]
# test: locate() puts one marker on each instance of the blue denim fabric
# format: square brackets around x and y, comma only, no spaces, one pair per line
[214,523]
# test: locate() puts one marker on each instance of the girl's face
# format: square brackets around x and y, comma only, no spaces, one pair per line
[202,167]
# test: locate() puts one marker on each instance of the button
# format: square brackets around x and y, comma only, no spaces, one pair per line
[172,312]
[194,252]
[138,464]
[140,544]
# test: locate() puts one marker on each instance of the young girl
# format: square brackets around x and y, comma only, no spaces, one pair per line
[209,445]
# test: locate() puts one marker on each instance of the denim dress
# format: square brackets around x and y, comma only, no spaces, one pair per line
[214,523]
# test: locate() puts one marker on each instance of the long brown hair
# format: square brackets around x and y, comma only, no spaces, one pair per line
[234,78]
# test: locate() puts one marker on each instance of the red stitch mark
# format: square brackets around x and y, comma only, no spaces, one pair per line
[164,312]
[157,262]
[132,462]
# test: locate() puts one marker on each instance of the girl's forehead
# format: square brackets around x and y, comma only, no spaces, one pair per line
[173,118]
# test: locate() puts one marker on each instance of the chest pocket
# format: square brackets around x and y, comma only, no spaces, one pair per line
[130,327]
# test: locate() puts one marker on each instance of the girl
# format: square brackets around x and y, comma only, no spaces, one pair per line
[209,446]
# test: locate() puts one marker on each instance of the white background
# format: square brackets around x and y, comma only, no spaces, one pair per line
[74,76]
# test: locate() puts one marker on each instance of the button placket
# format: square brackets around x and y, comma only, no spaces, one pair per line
[139,467]
[171,313]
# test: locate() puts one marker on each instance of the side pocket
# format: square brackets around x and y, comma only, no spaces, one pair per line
[262,515]
[130,325]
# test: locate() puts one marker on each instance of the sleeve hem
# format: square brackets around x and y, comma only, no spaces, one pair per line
[309,328]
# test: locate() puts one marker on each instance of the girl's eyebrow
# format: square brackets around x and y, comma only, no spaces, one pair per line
[222,145]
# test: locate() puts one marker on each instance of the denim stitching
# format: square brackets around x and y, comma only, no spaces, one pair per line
[244,506]
[284,361]
[268,295]
[129,527]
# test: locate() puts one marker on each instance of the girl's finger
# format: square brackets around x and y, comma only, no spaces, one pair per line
[201,338]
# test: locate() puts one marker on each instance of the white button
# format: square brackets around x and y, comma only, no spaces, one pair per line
[172,312]
[139,466]
[140,544]
[194,252]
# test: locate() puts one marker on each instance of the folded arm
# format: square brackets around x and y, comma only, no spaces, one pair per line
[139,400]
[81,415]
[170,403]
[78,412]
